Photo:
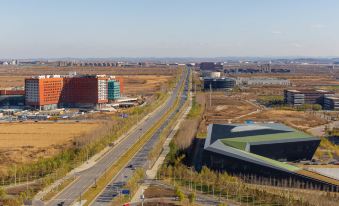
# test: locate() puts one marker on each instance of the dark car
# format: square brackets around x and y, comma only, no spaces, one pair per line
[61,203]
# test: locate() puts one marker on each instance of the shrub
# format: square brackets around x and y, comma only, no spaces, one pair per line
[191,197]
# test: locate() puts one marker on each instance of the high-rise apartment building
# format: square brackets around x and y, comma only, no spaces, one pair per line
[43,92]
[47,92]
[87,91]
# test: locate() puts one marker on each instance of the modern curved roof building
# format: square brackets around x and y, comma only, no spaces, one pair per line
[261,149]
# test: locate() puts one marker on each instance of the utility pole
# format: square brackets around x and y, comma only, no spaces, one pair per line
[191,179]
[15,175]
[210,94]
[142,198]
[27,183]
[87,155]
[80,198]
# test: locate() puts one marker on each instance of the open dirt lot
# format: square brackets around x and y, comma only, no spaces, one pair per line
[24,142]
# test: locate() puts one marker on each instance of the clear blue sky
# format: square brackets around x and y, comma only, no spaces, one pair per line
[168,28]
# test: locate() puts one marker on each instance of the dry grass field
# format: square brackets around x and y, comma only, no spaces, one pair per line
[138,81]
[226,107]
[26,142]
[11,81]
[134,84]
[297,119]
[236,108]
[301,79]
[37,70]
[145,84]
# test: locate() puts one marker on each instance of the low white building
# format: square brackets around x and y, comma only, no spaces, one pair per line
[262,81]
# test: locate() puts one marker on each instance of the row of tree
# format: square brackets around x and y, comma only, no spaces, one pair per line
[223,185]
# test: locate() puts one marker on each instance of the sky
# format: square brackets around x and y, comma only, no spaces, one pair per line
[168,28]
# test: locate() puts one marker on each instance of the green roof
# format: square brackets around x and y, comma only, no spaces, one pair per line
[236,144]
[239,137]
[267,137]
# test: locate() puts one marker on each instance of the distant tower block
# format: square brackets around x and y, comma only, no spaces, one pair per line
[265,68]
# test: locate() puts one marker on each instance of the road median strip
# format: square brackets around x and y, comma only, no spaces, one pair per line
[96,188]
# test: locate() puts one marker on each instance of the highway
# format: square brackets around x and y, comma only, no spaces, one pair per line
[139,160]
[88,177]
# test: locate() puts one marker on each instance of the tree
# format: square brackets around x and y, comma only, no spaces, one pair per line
[179,194]
[2,193]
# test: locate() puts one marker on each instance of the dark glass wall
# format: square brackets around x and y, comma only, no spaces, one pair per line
[288,151]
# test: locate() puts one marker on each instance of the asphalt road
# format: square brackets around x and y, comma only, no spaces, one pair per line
[88,177]
[140,159]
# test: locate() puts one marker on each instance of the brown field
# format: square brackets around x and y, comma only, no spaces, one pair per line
[297,119]
[134,84]
[37,70]
[25,142]
[11,81]
[301,79]
[225,108]
[237,108]
[137,80]
[145,84]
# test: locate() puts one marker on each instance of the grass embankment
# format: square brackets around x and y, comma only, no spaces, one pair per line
[157,149]
[195,110]
[189,128]
[114,169]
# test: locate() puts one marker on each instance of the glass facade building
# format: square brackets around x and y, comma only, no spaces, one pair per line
[113,89]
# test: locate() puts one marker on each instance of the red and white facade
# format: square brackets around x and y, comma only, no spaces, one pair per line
[47,92]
